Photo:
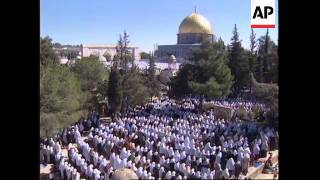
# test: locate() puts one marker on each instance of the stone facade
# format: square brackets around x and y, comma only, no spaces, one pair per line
[87,50]
[180,51]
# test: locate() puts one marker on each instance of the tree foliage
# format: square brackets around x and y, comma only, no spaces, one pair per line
[208,75]
[268,93]
[123,53]
[70,54]
[115,94]
[128,87]
[61,99]
[134,90]
[179,84]
[238,63]
[145,55]
[152,81]
[90,71]
[47,53]
[107,56]
[64,90]
[267,61]
[253,54]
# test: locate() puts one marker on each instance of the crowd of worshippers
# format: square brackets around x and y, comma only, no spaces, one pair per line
[162,139]
[237,103]
[247,106]
[250,108]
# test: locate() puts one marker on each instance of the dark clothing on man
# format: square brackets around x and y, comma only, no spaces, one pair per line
[237,170]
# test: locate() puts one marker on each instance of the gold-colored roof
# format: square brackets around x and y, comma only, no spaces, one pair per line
[195,23]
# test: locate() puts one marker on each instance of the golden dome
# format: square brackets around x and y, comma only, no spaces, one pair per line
[195,23]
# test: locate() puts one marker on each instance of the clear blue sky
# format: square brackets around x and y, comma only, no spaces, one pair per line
[148,22]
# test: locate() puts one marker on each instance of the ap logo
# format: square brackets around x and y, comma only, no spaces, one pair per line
[263,14]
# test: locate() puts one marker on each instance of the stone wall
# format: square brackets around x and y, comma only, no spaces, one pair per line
[180,51]
[220,112]
[88,50]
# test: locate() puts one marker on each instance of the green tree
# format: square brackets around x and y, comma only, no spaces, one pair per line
[267,66]
[102,89]
[238,63]
[72,54]
[179,84]
[269,94]
[62,101]
[253,54]
[57,45]
[90,71]
[273,74]
[134,90]
[265,58]
[69,53]
[107,56]
[145,55]
[115,94]
[221,44]
[123,52]
[47,53]
[253,42]
[208,75]
[127,87]
[152,82]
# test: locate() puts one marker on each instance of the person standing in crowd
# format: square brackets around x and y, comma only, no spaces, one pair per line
[237,170]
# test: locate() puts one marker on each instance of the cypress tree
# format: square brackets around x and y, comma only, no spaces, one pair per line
[238,63]
[114,90]
[252,56]
[152,82]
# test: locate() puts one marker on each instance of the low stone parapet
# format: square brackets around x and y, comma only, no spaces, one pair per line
[255,171]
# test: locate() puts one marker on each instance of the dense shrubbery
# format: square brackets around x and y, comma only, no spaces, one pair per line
[65,92]
[61,98]
[90,72]
[209,75]
[268,93]
[127,86]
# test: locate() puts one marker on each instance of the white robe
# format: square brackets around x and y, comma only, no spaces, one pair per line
[123,154]
[256,149]
[218,158]
[61,168]
[177,156]
[230,164]
[95,159]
